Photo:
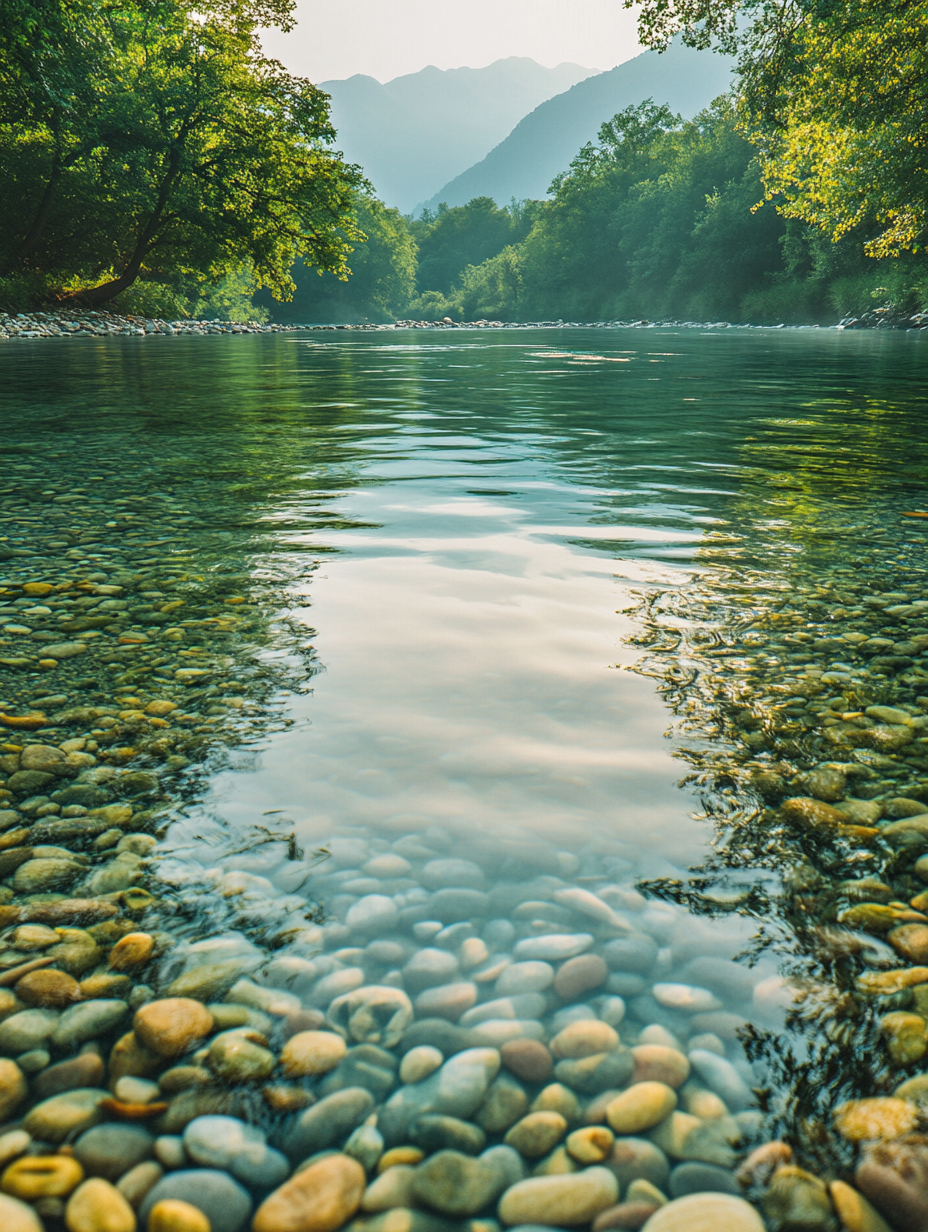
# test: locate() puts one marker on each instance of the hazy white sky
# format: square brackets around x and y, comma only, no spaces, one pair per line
[386,38]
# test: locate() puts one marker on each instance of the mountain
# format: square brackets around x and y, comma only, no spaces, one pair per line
[418,131]
[543,143]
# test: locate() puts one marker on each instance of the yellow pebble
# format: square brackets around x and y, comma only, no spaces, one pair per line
[400,1155]
[591,1144]
[172,1215]
[312,1052]
[98,1206]
[42,1176]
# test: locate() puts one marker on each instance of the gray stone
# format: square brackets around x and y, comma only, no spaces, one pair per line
[374,1014]
[508,1162]
[428,968]
[636,1158]
[46,874]
[600,1072]
[523,977]
[447,1001]
[26,1031]
[455,1184]
[64,1115]
[366,1146]
[522,1005]
[327,1123]
[504,1103]
[88,1021]
[637,953]
[365,1066]
[438,874]
[690,1178]
[720,1076]
[447,1037]
[456,1089]
[337,984]
[458,904]
[434,1132]
[373,913]
[111,1150]
[222,1200]
[553,947]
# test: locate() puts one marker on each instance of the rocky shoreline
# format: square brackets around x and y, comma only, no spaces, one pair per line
[109,324]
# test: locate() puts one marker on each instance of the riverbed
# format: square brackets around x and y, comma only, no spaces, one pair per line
[452,698]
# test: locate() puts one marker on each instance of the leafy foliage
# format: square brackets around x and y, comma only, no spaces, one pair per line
[833,95]
[151,139]
[383,273]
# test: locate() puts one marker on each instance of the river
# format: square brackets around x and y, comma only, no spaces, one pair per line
[472,646]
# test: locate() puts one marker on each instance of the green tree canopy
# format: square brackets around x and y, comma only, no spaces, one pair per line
[834,97]
[153,139]
[463,235]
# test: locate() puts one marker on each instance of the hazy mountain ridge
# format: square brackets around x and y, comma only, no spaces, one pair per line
[543,143]
[418,131]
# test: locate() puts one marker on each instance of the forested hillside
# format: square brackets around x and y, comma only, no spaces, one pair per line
[659,218]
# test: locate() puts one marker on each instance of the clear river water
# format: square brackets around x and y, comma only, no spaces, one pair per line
[503,632]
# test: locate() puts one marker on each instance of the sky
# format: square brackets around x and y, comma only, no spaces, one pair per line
[387,39]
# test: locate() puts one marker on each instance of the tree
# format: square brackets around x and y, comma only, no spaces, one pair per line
[833,95]
[152,138]
[464,235]
[382,279]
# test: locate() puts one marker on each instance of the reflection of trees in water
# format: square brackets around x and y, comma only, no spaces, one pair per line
[753,663]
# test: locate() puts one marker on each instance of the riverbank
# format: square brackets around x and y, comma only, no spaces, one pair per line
[108,324]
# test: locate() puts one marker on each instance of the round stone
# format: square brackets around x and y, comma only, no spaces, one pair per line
[373,913]
[328,1122]
[13,1088]
[87,1021]
[434,1132]
[391,1189]
[42,1176]
[374,1014]
[590,1145]
[221,1199]
[447,1001]
[706,1212]
[312,1052]
[16,1216]
[97,1206]
[580,975]
[58,1118]
[48,989]
[455,1184]
[689,1178]
[438,874]
[584,1038]
[658,1063]
[554,947]
[560,1201]
[234,1058]
[130,952]
[537,1134]
[860,1120]
[635,1159]
[428,968]
[138,1182]
[528,1059]
[641,1107]
[227,1142]
[522,977]
[320,1198]
[26,1031]
[109,1151]
[419,1063]
[172,1026]
[172,1215]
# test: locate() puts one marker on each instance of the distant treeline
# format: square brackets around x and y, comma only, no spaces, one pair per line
[660,218]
